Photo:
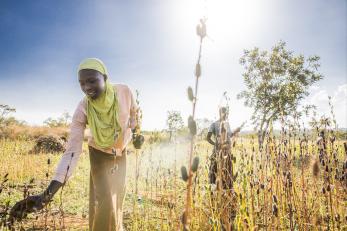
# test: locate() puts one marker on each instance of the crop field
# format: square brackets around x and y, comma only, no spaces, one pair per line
[291,183]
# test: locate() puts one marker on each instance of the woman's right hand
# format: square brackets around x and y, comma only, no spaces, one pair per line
[36,202]
[28,205]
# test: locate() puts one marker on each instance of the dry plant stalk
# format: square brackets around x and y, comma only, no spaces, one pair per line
[188,176]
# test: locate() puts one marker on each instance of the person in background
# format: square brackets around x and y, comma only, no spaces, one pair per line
[110,112]
[222,134]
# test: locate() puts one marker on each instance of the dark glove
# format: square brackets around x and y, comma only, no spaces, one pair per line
[138,140]
[35,202]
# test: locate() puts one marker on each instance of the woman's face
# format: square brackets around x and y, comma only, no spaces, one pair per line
[92,82]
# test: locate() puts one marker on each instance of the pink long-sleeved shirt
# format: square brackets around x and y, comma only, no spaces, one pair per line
[127,114]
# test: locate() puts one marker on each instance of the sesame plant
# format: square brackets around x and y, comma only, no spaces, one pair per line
[296,181]
[187,175]
[137,130]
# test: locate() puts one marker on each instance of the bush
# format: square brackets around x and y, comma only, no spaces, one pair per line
[49,143]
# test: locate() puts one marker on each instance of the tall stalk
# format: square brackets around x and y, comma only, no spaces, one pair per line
[201,32]
[138,118]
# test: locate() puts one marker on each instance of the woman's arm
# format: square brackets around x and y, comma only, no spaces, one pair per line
[210,132]
[208,138]
[70,157]
[63,172]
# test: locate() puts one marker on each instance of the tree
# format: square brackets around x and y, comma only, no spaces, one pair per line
[4,111]
[11,120]
[276,81]
[50,122]
[65,118]
[62,121]
[174,121]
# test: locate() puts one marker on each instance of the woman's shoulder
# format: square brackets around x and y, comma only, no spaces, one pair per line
[82,105]
[120,87]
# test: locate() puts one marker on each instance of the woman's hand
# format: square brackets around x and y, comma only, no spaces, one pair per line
[34,203]
[138,140]
[30,204]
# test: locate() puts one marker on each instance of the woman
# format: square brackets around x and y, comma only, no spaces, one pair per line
[110,112]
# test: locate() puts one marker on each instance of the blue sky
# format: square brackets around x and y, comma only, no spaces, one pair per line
[151,46]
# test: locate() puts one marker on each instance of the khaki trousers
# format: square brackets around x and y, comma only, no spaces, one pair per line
[106,191]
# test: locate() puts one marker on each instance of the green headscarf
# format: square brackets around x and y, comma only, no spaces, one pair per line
[102,112]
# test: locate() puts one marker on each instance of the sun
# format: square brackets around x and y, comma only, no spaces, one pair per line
[226,19]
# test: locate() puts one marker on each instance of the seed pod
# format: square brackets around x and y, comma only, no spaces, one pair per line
[170,205]
[183,217]
[190,94]
[195,164]
[275,210]
[235,176]
[223,129]
[139,199]
[197,70]
[201,29]
[184,173]
[233,158]
[198,30]
[192,126]
[315,168]
[337,217]
[332,139]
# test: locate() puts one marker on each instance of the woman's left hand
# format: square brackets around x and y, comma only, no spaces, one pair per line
[138,140]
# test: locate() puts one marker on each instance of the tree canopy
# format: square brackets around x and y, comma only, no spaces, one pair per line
[276,82]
